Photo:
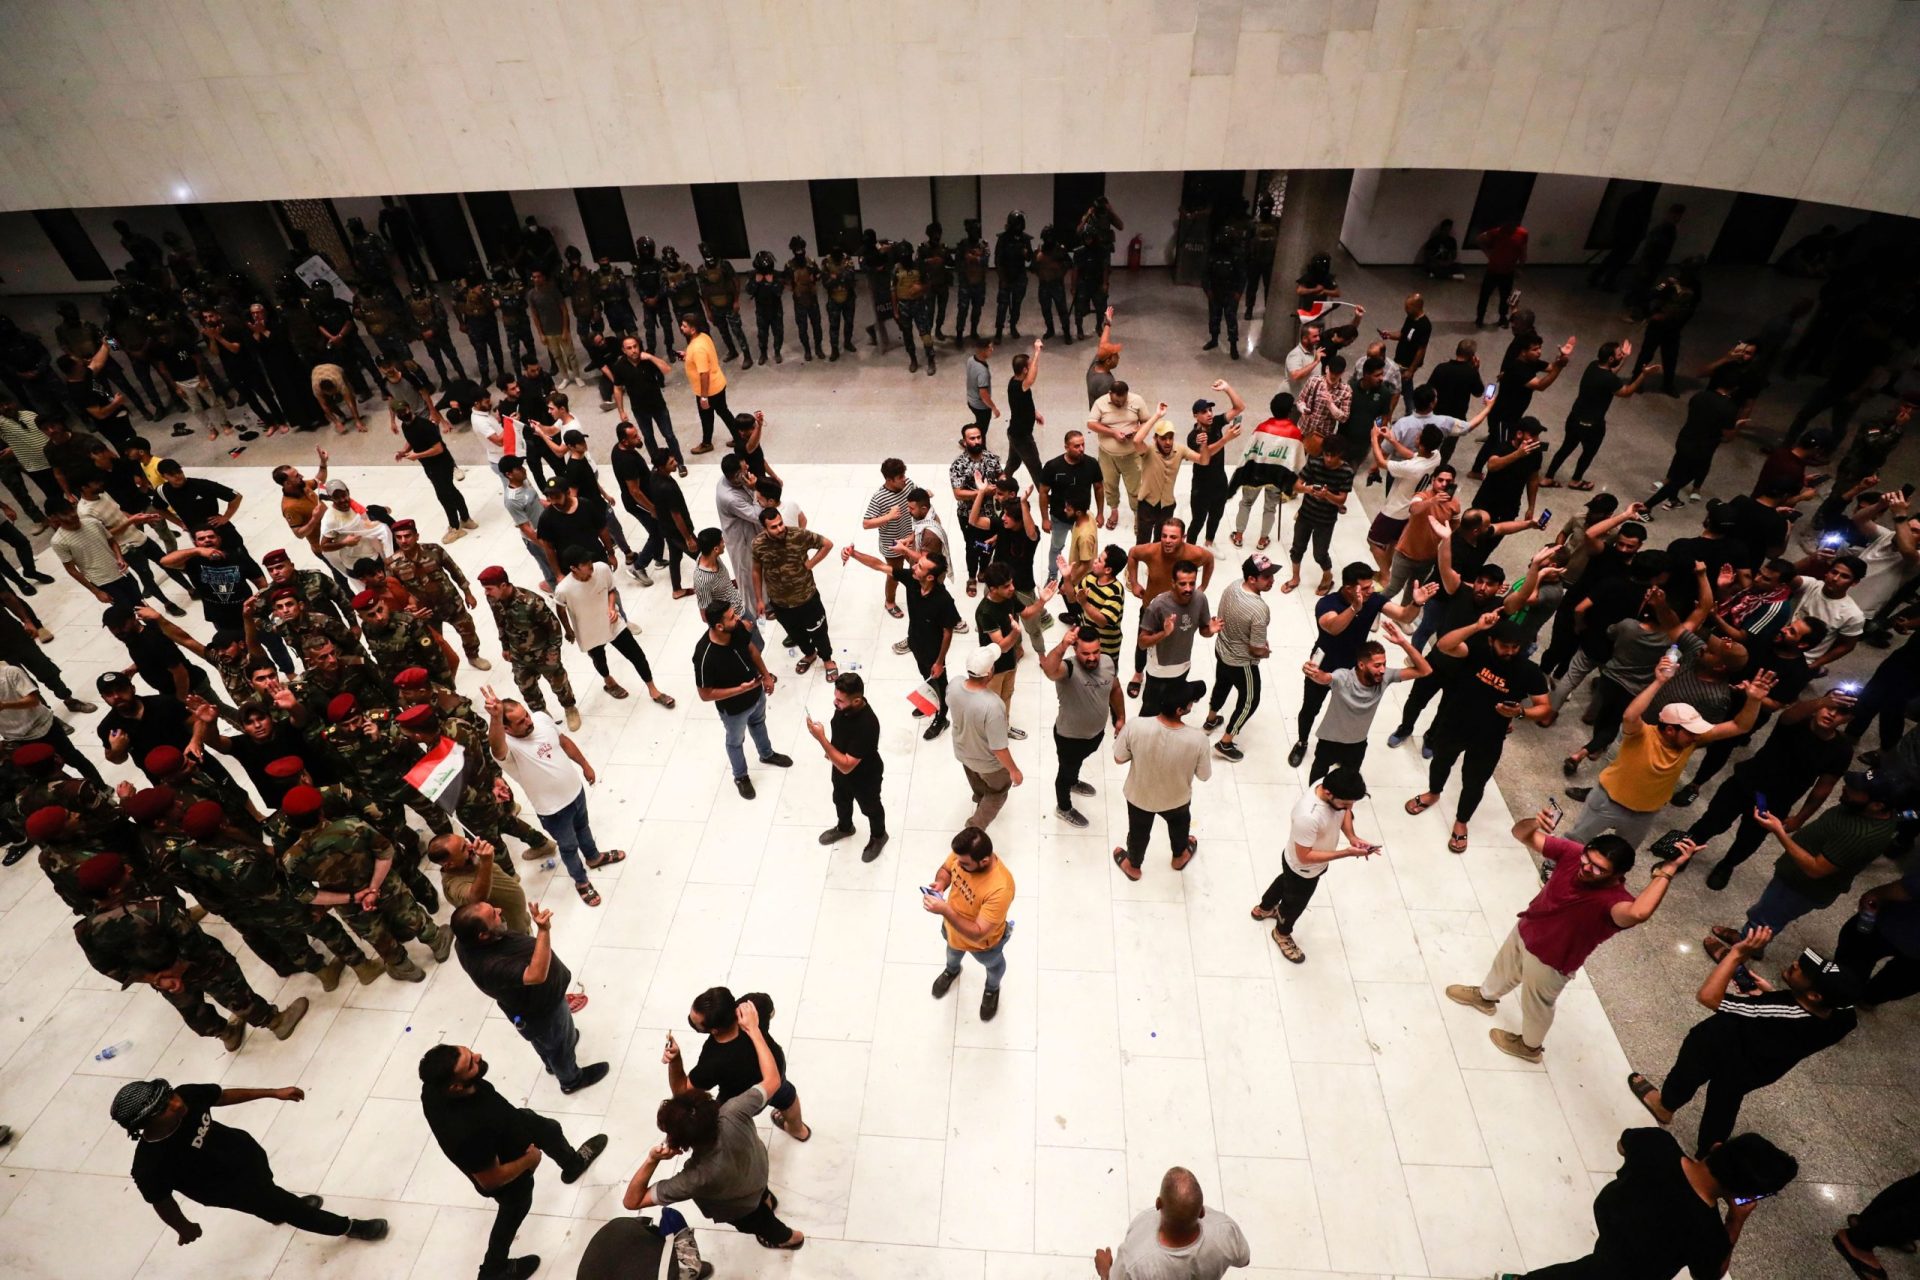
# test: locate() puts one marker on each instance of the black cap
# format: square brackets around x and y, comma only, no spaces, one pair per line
[113,680]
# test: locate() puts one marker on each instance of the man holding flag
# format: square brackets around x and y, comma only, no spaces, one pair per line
[550,768]
[458,775]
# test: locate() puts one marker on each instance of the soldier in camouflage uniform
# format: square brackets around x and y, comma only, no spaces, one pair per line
[317,590]
[194,781]
[911,306]
[803,276]
[414,687]
[486,805]
[65,848]
[480,321]
[437,584]
[286,614]
[609,286]
[241,881]
[972,258]
[133,938]
[400,640]
[838,275]
[936,268]
[429,317]
[329,674]
[511,296]
[41,781]
[343,801]
[344,863]
[530,637]
[370,749]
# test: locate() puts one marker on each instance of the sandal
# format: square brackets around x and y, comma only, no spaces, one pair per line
[1193,847]
[665,700]
[1133,687]
[1903,1246]
[1236,539]
[1288,947]
[607,858]
[973,587]
[1457,842]
[1865,1270]
[1127,869]
[588,894]
[780,1123]
[1642,1089]
[576,1001]
[1290,586]
[1548,482]
[615,691]
[832,673]
[893,611]
[1261,913]
[1262,544]
[1571,765]
[1584,486]
[1420,804]
[803,666]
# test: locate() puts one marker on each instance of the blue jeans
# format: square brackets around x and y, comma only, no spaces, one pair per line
[738,725]
[552,1035]
[570,831]
[1062,528]
[539,558]
[1779,905]
[994,959]
[647,419]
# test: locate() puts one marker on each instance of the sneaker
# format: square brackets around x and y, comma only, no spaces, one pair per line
[1426,749]
[1083,789]
[1229,751]
[1071,816]
[942,981]
[744,785]
[833,835]
[1298,754]
[1395,738]
[1212,722]
[367,1229]
[173,610]
[1509,1042]
[639,575]
[453,534]
[1720,876]
[901,646]
[1579,793]
[1018,735]
[588,1151]
[934,730]
[1686,795]
[79,706]
[874,845]
[989,1004]
[518,1268]
[1460,993]
[778,761]
[589,1076]
[469,523]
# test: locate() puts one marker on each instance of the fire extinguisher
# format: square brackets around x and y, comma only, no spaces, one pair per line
[1134,249]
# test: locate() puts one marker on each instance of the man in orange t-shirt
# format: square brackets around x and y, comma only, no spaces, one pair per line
[704,375]
[972,893]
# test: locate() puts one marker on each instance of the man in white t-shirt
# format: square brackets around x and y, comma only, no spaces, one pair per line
[1829,598]
[591,617]
[1322,817]
[1892,553]
[1177,1239]
[543,761]
[349,535]
[1409,466]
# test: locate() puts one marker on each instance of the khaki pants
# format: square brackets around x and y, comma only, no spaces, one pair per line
[1116,468]
[566,361]
[1001,683]
[989,795]
[1540,986]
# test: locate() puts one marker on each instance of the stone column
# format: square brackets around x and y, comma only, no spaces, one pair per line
[1310,221]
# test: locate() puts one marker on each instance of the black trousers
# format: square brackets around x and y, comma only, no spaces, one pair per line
[1419,694]
[1732,803]
[629,648]
[716,404]
[763,1224]
[1709,1058]
[1322,537]
[451,502]
[1313,696]
[1071,754]
[1685,469]
[848,792]
[1053,302]
[1478,757]
[1493,285]
[270,1202]
[515,1199]
[1328,756]
[1223,307]
[1584,436]
[1885,698]
[1289,895]
[1891,1218]
[1147,519]
[806,623]
[659,541]
[1140,830]
[1610,703]
[923,659]
[1663,338]
[1861,950]
[1006,304]
[806,320]
[1209,505]
[1022,451]
[1229,679]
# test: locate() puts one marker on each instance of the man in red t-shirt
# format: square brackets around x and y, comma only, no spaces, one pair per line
[1506,249]
[1584,903]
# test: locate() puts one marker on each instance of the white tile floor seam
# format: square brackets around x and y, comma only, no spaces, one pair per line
[1354,1120]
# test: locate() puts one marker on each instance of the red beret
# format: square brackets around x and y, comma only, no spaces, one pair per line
[406,524]
[276,556]
[418,718]
[412,678]
[164,762]
[99,871]
[203,819]
[288,766]
[364,600]
[44,823]
[492,576]
[34,757]
[342,707]
[303,802]
[150,804]
[278,594]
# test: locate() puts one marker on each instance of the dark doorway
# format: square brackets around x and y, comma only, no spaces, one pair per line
[1752,229]
[497,223]
[1223,191]
[71,241]
[444,234]
[1503,199]
[604,215]
[723,224]
[1073,195]
[1625,213]
[836,212]
[955,199]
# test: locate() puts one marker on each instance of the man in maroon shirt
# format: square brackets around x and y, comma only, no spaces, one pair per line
[1506,248]
[1584,903]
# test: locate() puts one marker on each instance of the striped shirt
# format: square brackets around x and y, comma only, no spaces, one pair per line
[1243,625]
[21,433]
[1111,601]
[89,550]
[1851,839]
[1323,474]
[901,526]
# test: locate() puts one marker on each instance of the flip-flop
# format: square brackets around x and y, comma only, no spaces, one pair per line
[1865,1270]
[1262,544]
[1127,869]
[1642,1088]
[1457,842]
[893,611]
[1548,482]
[607,858]
[615,691]
[1417,806]
[1133,687]
[832,673]
[1289,587]
[1236,539]
[1186,855]
[973,587]
[576,1001]
[780,1123]
[1583,486]
[665,700]
[1261,913]
[803,666]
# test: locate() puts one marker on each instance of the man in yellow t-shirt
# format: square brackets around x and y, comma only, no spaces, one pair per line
[971,893]
[704,375]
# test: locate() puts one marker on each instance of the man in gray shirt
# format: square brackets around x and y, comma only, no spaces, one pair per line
[1237,653]
[1089,690]
[524,507]
[1168,627]
[1354,695]
[1178,1239]
[552,321]
[980,738]
[1167,755]
[980,387]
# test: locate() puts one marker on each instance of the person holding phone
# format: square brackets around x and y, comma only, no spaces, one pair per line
[1661,1214]
[1751,1041]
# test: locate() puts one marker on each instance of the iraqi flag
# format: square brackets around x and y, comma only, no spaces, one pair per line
[510,436]
[923,700]
[1322,309]
[440,775]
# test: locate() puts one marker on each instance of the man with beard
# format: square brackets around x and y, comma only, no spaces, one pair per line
[1089,691]
[729,672]
[1583,904]
[1355,692]
[932,618]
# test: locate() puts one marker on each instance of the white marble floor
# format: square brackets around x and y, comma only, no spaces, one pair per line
[1353,1120]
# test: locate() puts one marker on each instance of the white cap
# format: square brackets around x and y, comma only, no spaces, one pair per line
[980,661]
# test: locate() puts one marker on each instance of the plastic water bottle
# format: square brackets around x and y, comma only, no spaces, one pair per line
[549,864]
[113,1051]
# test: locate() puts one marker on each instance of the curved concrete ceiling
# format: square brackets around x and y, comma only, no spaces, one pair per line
[129,102]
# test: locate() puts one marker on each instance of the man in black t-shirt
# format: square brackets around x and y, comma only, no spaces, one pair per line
[137,723]
[1410,341]
[729,672]
[1513,472]
[183,1151]
[1805,755]
[1491,685]
[157,659]
[1071,477]
[1586,427]
[220,580]
[1456,382]
[1713,418]
[853,749]
[569,522]
[729,1065]
[931,620]
[638,378]
[497,1145]
[528,982]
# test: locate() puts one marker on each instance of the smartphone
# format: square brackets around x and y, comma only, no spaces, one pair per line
[1553,807]
[930,891]
[1760,804]
[1493,389]
[1847,689]
[1545,516]
[1814,482]
[1744,1201]
[1833,540]
[113,344]
[1744,980]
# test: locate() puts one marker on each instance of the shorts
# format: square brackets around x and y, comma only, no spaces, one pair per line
[1385,530]
[783,1097]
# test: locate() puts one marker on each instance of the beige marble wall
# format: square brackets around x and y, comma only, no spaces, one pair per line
[129,102]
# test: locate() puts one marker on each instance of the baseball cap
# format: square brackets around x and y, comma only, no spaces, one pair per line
[1684,716]
[980,661]
[1163,428]
[1878,784]
[113,680]
[1258,567]
[1201,406]
[333,487]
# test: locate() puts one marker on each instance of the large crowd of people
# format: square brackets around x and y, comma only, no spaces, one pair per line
[326,676]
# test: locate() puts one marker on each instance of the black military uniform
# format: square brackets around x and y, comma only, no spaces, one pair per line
[1050,267]
[910,304]
[511,296]
[650,282]
[936,270]
[803,275]
[1264,240]
[840,273]
[609,286]
[1226,267]
[972,254]
[480,321]
[683,287]
[1012,252]
[430,323]
[765,288]
[1091,265]
[720,290]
